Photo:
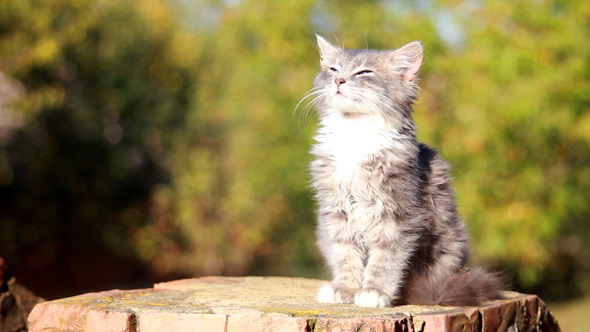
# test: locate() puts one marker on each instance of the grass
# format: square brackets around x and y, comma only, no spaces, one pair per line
[572,316]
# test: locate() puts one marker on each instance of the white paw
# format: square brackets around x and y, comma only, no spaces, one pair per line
[371,299]
[326,294]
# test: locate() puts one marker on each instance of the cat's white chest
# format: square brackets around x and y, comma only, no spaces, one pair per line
[350,142]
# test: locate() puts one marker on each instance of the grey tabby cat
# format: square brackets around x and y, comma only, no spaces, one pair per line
[387,221]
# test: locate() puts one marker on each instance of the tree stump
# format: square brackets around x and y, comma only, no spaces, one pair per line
[16,302]
[229,304]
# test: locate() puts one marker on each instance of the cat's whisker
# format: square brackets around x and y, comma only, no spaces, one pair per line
[310,93]
[308,109]
[309,100]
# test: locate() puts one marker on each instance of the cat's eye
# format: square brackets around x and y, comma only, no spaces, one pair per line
[363,72]
[334,70]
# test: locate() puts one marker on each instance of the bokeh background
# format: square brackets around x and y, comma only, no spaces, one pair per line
[147,140]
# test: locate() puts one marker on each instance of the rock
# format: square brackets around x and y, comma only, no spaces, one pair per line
[228,304]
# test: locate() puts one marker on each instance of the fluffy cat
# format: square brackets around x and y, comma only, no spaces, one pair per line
[387,221]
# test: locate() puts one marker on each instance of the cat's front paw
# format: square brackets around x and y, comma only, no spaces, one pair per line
[330,294]
[326,294]
[372,298]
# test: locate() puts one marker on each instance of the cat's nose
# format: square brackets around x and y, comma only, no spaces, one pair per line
[339,81]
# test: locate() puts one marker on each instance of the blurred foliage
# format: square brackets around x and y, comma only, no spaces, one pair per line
[150,139]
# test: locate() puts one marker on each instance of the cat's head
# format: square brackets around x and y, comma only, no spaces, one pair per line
[364,82]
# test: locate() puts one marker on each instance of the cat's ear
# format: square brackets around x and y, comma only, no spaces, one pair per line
[407,60]
[326,49]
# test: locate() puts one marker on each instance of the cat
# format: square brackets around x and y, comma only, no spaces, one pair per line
[387,221]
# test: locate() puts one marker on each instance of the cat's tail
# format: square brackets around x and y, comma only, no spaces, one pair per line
[468,287]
